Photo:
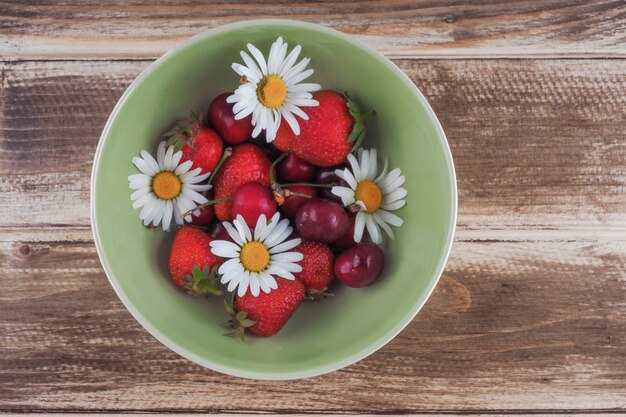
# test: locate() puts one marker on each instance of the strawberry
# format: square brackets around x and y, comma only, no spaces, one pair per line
[266,314]
[317,266]
[334,128]
[248,163]
[192,265]
[199,144]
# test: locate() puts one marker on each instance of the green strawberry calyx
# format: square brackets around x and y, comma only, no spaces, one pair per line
[202,282]
[238,322]
[184,131]
[358,130]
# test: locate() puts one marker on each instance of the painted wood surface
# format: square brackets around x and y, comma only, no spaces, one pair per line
[530,314]
[400,28]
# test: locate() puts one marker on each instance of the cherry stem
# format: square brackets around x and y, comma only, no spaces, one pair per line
[289,193]
[227,153]
[208,203]
[303,184]
[280,158]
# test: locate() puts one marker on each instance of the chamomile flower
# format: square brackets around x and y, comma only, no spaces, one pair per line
[255,258]
[166,188]
[374,197]
[272,89]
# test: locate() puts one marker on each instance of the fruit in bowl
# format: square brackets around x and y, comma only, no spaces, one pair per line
[300,196]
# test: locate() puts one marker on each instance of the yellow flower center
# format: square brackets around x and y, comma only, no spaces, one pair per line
[166,185]
[254,256]
[272,91]
[369,193]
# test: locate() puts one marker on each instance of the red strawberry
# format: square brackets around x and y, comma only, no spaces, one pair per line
[191,261]
[248,163]
[270,312]
[199,144]
[317,265]
[333,129]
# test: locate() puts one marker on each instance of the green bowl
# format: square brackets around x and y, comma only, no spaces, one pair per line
[322,336]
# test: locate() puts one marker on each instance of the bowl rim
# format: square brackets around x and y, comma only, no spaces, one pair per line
[290,375]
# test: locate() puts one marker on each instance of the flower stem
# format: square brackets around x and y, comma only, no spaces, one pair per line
[303,184]
[208,203]
[280,158]
[227,153]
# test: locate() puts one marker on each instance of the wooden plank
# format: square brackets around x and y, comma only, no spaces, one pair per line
[512,326]
[539,146]
[398,28]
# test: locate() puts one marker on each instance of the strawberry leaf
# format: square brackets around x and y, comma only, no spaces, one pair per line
[358,130]
[202,282]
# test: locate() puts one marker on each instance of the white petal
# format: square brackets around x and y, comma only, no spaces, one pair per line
[230,266]
[140,193]
[346,194]
[373,228]
[295,110]
[356,169]
[259,58]
[191,179]
[183,168]
[194,196]
[390,218]
[151,211]
[242,228]
[265,281]
[149,159]
[224,249]
[137,181]
[296,78]
[393,206]
[142,201]
[167,161]
[384,172]
[288,257]
[177,216]
[254,284]
[373,166]
[167,215]
[304,88]
[235,280]
[359,225]
[296,69]
[243,284]
[159,213]
[398,194]
[285,246]
[233,233]
[349,178]
[291,121]
[384,225]
[279,271]
[259,228]
[144,167]
[252,65]
[161,156]
[389,178]
[176,159]
[289,61]
[274,234]
[288,266]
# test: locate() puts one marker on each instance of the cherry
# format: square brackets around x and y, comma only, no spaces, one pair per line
[251,200]
[218,231]
[328,176]
[294,169]
[222,118]
[206,216]
[321,220]
[293,202]
[360,265]
[347,240]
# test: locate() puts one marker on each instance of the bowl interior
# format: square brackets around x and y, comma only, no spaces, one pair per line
[321,336]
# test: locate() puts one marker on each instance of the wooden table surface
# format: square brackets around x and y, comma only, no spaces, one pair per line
[530,313]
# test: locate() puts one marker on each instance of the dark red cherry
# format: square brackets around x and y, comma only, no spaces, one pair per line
[360,265]
[294,169]
[222,119]
[321,220]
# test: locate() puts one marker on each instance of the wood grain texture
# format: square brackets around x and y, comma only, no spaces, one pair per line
[548,162]
[50,29]
[511,326]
